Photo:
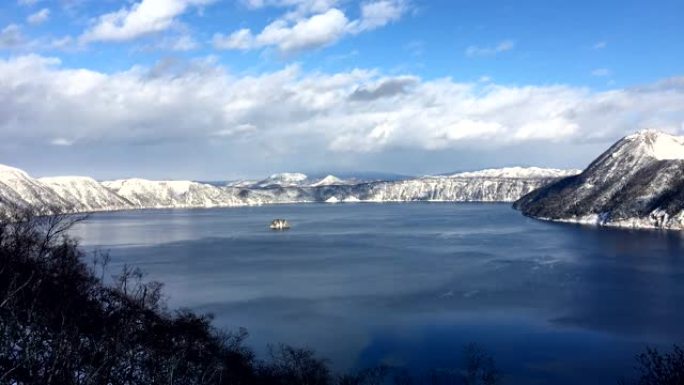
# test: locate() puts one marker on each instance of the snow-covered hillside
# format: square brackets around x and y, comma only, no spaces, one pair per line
[289,180]
[85,194]
[638,182]
[286,179]
[144,193]
[329,180]
[80,194]
[487,186]
[18,188]
[517,173]
[462,189]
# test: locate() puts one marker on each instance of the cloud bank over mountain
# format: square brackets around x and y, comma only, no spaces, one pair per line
[42,100]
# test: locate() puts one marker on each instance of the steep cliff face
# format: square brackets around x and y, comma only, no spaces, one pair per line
[638,182]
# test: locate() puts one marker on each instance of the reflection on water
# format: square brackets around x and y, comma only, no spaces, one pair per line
[410,284]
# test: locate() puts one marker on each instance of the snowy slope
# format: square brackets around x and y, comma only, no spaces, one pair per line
[79,194]
[18,188]
[506,187]
[286,179]
[638,182]
[144,193]
[329,180]
[86,194]
[462,189]
[517,173]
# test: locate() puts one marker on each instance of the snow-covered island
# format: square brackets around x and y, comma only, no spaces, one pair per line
[637,183]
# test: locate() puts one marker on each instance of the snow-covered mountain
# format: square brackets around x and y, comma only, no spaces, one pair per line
[85,194]
[142,193]
[494,186]
[285,179]
[81,194]
[638,182]
[461,189]
[475,188]
[18,188]
[241,183]
[330,180]
[517,173]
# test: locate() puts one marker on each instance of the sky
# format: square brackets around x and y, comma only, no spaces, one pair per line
[229,89]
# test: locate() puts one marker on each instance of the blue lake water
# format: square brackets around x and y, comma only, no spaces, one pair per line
[411,284]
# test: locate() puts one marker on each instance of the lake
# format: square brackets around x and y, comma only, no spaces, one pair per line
[410,284]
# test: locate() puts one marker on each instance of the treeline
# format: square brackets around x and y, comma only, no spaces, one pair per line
[61,325]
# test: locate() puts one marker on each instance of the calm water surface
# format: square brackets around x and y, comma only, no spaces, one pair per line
[411,284]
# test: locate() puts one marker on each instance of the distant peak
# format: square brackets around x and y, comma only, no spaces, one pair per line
[290,176]
[329,180]
[283,179]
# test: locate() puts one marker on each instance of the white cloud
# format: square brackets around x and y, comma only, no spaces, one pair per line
[141,18]
[11,37]
[311,24]
[503,46]
[299,7]
[601,72]
[39,17]
[317,31]
[377,14]
[600,45]
[61,142]
[346,112]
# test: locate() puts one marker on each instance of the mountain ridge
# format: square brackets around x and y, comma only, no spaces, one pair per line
[84,194]
[638,182]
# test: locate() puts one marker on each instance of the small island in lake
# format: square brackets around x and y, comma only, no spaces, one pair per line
[279,224]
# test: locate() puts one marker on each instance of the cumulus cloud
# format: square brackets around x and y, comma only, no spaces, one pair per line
[316,31]
[379,13]
[141,18]
[355,111]
[39,17]
[503,46]
[310,24]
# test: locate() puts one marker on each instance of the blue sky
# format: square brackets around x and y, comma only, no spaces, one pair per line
[214,89]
